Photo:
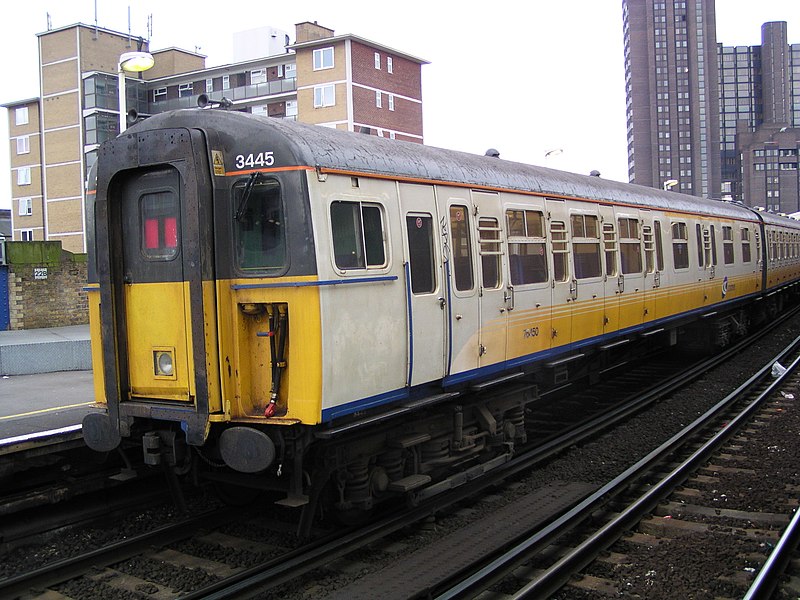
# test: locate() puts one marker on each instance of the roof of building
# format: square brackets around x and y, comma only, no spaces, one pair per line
[366,42]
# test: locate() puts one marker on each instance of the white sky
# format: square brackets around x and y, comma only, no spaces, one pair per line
[565,59]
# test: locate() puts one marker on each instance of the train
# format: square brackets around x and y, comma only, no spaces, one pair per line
[347,320]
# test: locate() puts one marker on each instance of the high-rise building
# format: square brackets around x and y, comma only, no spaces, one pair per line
[760,117]
[672,95]
[340,81]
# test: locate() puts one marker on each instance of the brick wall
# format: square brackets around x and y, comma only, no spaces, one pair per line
[45,285]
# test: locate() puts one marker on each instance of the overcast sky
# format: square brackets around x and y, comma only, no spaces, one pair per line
[521,77]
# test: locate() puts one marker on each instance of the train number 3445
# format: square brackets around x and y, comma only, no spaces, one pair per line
[262,159]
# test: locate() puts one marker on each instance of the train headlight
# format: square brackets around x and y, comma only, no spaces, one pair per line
[163,363]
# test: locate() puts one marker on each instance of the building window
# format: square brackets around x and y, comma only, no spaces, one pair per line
[26,235]
[209,85]
[291,108]
[324,95]
[21,115]
[378,61]
[258,76]
[24,176]
[391,102]
[159,94]
[378,103]
[226,82]
[323,58]
[24,144]
[25,207]
[100,127]
[389,65]
[185,90]
[290,71]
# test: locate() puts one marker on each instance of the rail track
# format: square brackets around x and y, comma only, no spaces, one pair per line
[277,562]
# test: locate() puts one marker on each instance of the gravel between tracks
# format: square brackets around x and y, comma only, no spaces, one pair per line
[594,462]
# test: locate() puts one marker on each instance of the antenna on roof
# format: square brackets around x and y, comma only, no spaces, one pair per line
[49,22]
[149,26]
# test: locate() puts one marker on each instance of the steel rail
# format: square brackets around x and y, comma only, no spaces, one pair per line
[769,576]
[553,578]
[68,568]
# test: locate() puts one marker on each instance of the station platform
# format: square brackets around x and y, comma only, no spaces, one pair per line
[48,350]
[45,385]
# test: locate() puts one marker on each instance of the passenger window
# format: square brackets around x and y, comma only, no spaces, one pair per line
[358,240]
[420,253]
[659,246]
[630,246]
[258,225]
[461,248]
[649,248]
[680,246]
[713,259]
[585,246]
[558,234]
[160,225]
[746,249]
[610,244]
[490,251]
[700,252]
[527,247]
[727,245]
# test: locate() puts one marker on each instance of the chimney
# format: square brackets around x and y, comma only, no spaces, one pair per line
[308,32]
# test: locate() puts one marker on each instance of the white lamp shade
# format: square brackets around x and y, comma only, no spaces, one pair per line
[136,61]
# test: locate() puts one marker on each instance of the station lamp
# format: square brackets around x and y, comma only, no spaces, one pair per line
[131,62]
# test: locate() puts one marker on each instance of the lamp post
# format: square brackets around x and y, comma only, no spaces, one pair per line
[669,184]
[132,62]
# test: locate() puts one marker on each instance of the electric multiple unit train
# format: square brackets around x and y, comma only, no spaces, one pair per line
[309,309]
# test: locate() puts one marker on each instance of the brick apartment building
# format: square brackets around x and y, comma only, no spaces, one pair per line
[342,81]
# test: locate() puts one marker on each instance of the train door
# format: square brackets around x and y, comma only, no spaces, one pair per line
[653,245]
[424,284]
[529,284]
[152,272]
[631,289]
[706,260]
[494,297]
[588,307]
[565,290]
[613,279]
[462,302]
[158,309]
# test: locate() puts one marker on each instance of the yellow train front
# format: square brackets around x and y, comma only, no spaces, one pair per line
[313,310]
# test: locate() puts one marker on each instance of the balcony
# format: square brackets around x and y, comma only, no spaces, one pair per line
[237,94]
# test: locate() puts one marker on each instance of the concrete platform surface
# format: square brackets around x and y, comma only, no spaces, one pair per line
[31,404]
[46,350]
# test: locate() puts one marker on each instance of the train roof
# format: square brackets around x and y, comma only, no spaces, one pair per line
[327,148]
